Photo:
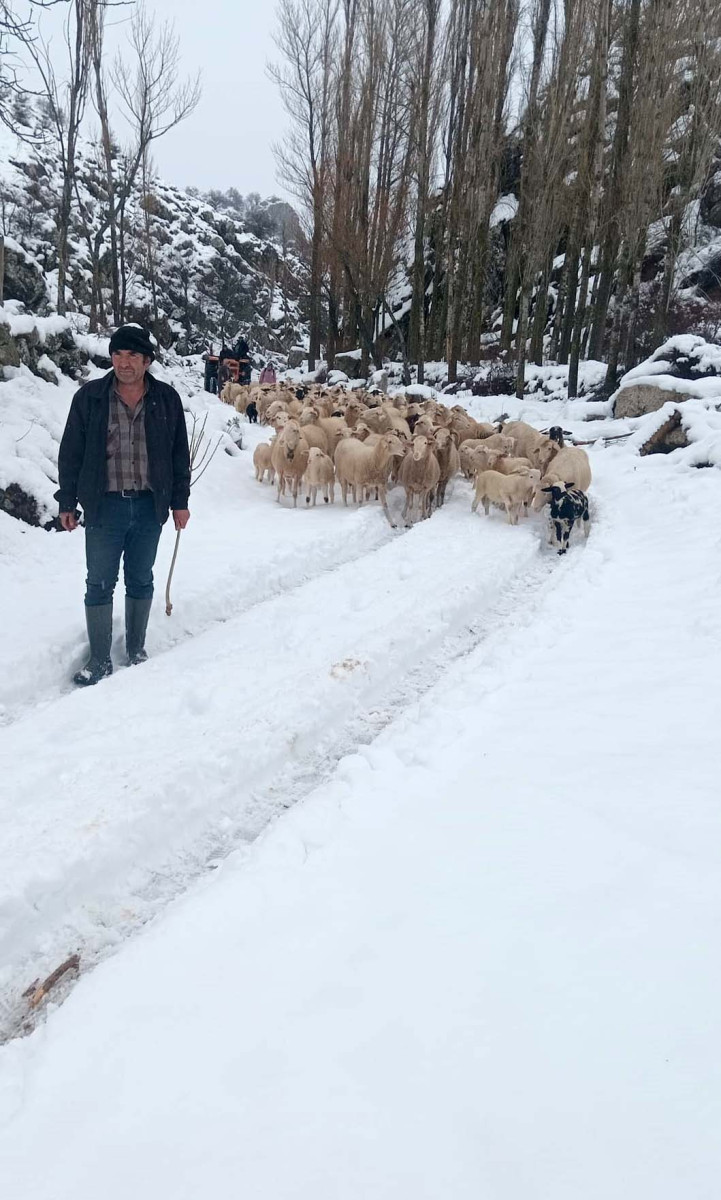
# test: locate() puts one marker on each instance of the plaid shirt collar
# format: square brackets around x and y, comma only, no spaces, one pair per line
[116,394]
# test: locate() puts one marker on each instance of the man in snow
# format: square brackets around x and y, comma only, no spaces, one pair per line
[124,456]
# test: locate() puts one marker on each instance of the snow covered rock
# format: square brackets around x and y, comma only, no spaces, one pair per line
[9,353]
[349,362]
[683,368]
[642,398]
[24,279]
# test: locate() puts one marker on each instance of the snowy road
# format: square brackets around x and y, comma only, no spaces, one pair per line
[300,635]
[480,960]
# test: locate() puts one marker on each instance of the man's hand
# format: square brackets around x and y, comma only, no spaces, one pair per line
[181,516]
[69,521]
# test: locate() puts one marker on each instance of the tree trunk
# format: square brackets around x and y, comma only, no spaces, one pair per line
[521,333]
[416,332]
[660,325]
[570,275]
[580,313]
[509,306]
[613,200]
[540,317]
[316,283]
[619,309]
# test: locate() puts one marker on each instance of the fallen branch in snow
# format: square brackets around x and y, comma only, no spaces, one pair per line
[27,431]
[37,994]
[614,437]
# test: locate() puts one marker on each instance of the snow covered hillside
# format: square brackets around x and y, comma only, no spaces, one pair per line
[393,873]
[210,272]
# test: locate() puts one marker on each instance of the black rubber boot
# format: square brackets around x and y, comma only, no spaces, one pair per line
[99,620]
[136,623]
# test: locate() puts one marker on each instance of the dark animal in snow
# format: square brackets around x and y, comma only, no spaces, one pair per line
[568,505]
[251,412]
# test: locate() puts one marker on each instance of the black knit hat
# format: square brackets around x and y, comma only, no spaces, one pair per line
[132,337]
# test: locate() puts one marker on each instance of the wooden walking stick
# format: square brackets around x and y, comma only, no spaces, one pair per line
[199,466]
[168,602]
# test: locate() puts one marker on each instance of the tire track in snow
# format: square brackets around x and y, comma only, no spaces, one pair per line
[310,675]
[239,591]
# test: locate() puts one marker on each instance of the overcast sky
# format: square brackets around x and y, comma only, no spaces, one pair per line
[228,140]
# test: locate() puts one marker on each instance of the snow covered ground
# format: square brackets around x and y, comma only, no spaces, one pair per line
[441,814]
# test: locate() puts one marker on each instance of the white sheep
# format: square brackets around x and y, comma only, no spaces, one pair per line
[570,467]
[359,466]
[290,459]
[449,462]
[509,492]
[514,466]
[262,461]
[231,392]
[501,442]
[319,474]
[419,474]
[475,457]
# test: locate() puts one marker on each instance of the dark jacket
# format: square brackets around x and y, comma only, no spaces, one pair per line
[82,460]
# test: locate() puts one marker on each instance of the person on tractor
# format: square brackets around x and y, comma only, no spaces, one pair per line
[242,354]
[228,368]
[211,371]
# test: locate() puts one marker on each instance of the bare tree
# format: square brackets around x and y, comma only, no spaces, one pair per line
[424,143]
[66,107]
[306,39]
[695,133]
[155,101]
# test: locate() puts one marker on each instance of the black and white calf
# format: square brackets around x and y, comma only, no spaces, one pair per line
[568,505]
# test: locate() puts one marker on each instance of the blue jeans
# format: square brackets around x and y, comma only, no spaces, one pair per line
[127,527]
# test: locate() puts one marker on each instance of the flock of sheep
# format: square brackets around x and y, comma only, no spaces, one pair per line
[367,443]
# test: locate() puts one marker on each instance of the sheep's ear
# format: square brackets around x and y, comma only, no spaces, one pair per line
[548,489]
[568,485]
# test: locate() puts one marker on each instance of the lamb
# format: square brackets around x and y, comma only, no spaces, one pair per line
[419,475]
[263,463]
[319,474]
[509,492]
[290,458]
[449,461]
[568,505]
[570,466]
[474,458]
[359,466]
